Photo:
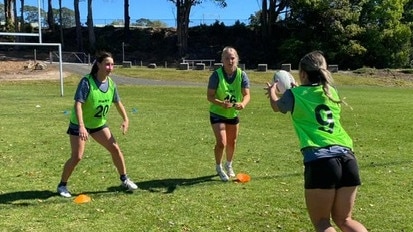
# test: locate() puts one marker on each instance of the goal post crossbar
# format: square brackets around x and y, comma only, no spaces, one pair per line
[19,34]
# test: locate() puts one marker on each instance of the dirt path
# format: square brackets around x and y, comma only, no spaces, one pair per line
[82,69]
[26,70]
[19,70]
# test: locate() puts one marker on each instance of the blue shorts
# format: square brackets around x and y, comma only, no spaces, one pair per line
[74,129]
[216,119]
[332,173]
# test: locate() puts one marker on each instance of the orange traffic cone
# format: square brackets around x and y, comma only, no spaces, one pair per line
[82,198]
[243,177]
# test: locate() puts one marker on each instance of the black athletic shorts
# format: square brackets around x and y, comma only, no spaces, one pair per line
[332,173]
[74,129]
[215,119]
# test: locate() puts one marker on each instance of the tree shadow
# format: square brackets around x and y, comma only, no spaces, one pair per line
[11,198]
[169,185]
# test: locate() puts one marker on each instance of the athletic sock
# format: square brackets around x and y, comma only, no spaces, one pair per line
[123,177]
[62,184]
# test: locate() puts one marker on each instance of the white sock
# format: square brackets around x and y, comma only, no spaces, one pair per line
[229,164]
[218,166]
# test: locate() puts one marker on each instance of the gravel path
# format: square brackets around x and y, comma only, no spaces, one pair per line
[82,69]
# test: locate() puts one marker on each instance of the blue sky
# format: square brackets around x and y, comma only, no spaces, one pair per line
[105,11]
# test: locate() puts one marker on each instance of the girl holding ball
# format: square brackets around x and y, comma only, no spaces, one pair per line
[331,173]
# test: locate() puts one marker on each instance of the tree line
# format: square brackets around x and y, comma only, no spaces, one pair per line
[351,33]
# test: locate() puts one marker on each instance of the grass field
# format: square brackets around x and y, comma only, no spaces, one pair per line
[169,154]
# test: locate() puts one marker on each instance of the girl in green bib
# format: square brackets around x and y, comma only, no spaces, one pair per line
[94,96]
[331,173]
[228,93]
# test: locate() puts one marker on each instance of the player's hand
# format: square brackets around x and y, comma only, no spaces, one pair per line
[268,88]
[124,126]
[226,104]
[271,88]
[83,134]
[238,106]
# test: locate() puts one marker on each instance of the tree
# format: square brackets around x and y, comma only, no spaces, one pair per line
[387,35]
[50,16]
[79,40]
[16,22]
[158,24]
[2,15]
[183,9]
[148,23]
[142,22]
[64,17]
[91,32]
[254,19]
[270,15]
[61,24]
[127,21]
[21,14]
[9,15]
[117,22]
[328,25]
[408,20]
[408,12]
[30,14]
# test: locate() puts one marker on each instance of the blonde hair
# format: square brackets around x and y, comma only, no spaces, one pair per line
[227,50]
[315,65]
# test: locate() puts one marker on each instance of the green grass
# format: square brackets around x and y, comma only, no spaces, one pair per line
[169,153]
[370,77]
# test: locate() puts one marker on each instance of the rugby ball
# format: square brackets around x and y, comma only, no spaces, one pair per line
[283,81]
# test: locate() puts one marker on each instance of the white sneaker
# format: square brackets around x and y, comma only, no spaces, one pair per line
[224,177]
[230,171]
[62,190]
[129,185]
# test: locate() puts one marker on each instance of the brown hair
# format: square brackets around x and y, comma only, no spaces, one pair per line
[99,58]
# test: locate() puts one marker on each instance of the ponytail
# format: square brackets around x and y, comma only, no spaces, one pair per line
[315,65]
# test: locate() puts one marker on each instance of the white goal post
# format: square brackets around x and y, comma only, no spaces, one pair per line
[44,44]
[40,43]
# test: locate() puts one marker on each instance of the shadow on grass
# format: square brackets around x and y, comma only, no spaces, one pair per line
[113,190]
[169,185]
[31,197]
[11,198]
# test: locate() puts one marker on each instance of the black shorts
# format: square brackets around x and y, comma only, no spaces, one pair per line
[215,119]
[332,173]
[74,130]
